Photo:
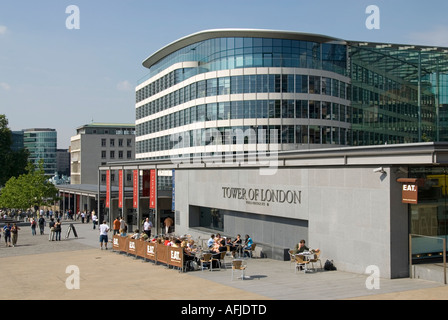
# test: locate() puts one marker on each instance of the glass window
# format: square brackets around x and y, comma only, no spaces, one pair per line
[212,87]
[224,85]
[301,84]
[302,109]
[223,110]
[314,109]
[314,84]
[212,111]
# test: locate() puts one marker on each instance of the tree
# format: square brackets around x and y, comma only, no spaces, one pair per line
[29,190]
[12,163]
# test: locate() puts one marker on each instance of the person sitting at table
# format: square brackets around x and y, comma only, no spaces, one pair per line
[238,244]
[136,235]
[211,241]
[191,246]
[300,247]
[166,241]
[248,243]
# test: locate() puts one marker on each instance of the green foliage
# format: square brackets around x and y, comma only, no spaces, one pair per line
[28,190]
[12,163]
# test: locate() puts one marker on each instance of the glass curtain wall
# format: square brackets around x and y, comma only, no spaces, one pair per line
[398,94]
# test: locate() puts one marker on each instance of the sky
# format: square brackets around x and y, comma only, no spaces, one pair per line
[59,77]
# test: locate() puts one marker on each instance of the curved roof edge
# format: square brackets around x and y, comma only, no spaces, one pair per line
[223,33]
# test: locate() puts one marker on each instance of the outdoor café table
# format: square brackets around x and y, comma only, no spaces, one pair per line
[306,256]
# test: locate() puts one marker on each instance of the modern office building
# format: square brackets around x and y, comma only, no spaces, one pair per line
[313,91]
[42,144]
[97,143]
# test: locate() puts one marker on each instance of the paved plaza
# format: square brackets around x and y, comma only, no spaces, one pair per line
[40,269]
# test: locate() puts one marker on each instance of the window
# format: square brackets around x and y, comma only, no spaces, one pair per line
[103,154]
[103,142]
[129,154]
[112,142]
[120,142]
[112,154]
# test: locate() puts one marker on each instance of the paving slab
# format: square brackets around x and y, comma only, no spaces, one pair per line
[40,269]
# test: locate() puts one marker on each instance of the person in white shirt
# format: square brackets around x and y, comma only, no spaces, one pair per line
[147,227]
[104,229]
[94,219]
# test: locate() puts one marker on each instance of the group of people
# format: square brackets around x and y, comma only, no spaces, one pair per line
[10,234]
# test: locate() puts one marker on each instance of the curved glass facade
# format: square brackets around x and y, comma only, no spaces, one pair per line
[297,88]
[314,91]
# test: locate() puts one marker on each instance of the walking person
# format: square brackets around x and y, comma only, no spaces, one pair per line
[41,224]
[51,225]
[7,234]
[94,220]
[104,229]
[117,226]
[33,226]
[58,229]
[147,227]
[14,234]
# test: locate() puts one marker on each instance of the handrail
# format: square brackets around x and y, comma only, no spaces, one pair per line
[444,253]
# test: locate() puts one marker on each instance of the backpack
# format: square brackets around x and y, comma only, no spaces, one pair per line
[329,265]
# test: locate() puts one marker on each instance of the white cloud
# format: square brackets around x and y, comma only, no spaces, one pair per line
[124,86]
[5,86]
[435,37]
[3,30]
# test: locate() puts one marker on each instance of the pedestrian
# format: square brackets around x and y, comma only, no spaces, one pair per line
[51,225]
[117,226]
[33,226]
[14,234]
[123,226]
[147,227]
[7,234]
[168,224]
[104,229]
[83,216]
[58,229]
[41,224]
[94,220]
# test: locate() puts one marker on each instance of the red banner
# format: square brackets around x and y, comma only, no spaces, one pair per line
[152,190]
[135,189]
[107,188]
[146,183]
[120,188]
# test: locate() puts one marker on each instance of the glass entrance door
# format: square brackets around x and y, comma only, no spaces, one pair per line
[429,217]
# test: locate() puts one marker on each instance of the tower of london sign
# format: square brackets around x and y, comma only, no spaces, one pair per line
[262,197]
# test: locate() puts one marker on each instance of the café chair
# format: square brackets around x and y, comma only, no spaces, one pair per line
[239,265]
[315,259]
[250,251]
[301,262]
[292,258]
[206,259]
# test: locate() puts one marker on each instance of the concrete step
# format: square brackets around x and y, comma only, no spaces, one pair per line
[430,272]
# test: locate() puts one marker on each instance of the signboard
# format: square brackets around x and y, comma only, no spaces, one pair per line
[146,184]
[152,189]
[173,194]
[120,188]
[135,189]
[409,193]
[108,189]
[409,190]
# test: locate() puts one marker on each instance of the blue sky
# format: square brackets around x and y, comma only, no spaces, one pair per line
[53,77]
